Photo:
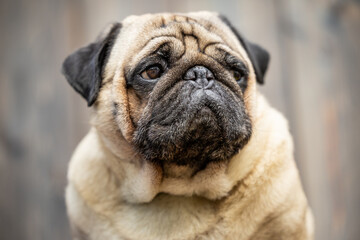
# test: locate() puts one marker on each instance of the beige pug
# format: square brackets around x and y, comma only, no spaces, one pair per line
[182,145]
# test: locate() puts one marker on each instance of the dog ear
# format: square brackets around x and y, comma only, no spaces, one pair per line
[259,57]
[83,68]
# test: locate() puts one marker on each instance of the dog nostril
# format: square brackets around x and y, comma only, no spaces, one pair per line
[190,75]
[209,75]
[200,75]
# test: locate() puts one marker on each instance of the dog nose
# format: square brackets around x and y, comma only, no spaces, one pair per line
[200,76]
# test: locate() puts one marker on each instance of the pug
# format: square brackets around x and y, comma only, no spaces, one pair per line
[182,145]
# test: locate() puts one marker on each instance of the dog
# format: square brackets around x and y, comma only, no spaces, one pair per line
[182,145]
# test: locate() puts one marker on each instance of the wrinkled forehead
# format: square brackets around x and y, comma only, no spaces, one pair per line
[141,35]
[175,25]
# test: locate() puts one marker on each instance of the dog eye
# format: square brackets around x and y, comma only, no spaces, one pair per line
[237,75]
[152,72]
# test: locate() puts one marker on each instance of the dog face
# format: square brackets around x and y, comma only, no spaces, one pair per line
[177,88]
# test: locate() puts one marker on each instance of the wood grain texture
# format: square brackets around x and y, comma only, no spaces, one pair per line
[313,79]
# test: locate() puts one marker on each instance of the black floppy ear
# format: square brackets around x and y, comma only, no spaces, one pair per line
[83,68]
[259,57]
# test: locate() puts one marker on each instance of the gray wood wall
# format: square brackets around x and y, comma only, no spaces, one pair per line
[313,79]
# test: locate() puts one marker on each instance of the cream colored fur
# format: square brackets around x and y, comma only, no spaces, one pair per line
[113,194]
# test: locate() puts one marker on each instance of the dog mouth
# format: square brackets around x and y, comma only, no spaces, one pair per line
[193,126]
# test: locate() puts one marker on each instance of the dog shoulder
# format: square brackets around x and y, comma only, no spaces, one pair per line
[85,223]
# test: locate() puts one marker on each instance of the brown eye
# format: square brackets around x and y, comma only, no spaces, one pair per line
[152,72]
[237,75]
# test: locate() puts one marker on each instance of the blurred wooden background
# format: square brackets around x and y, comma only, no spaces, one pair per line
[313,79]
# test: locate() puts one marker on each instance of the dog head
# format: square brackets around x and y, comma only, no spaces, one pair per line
[178,89]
